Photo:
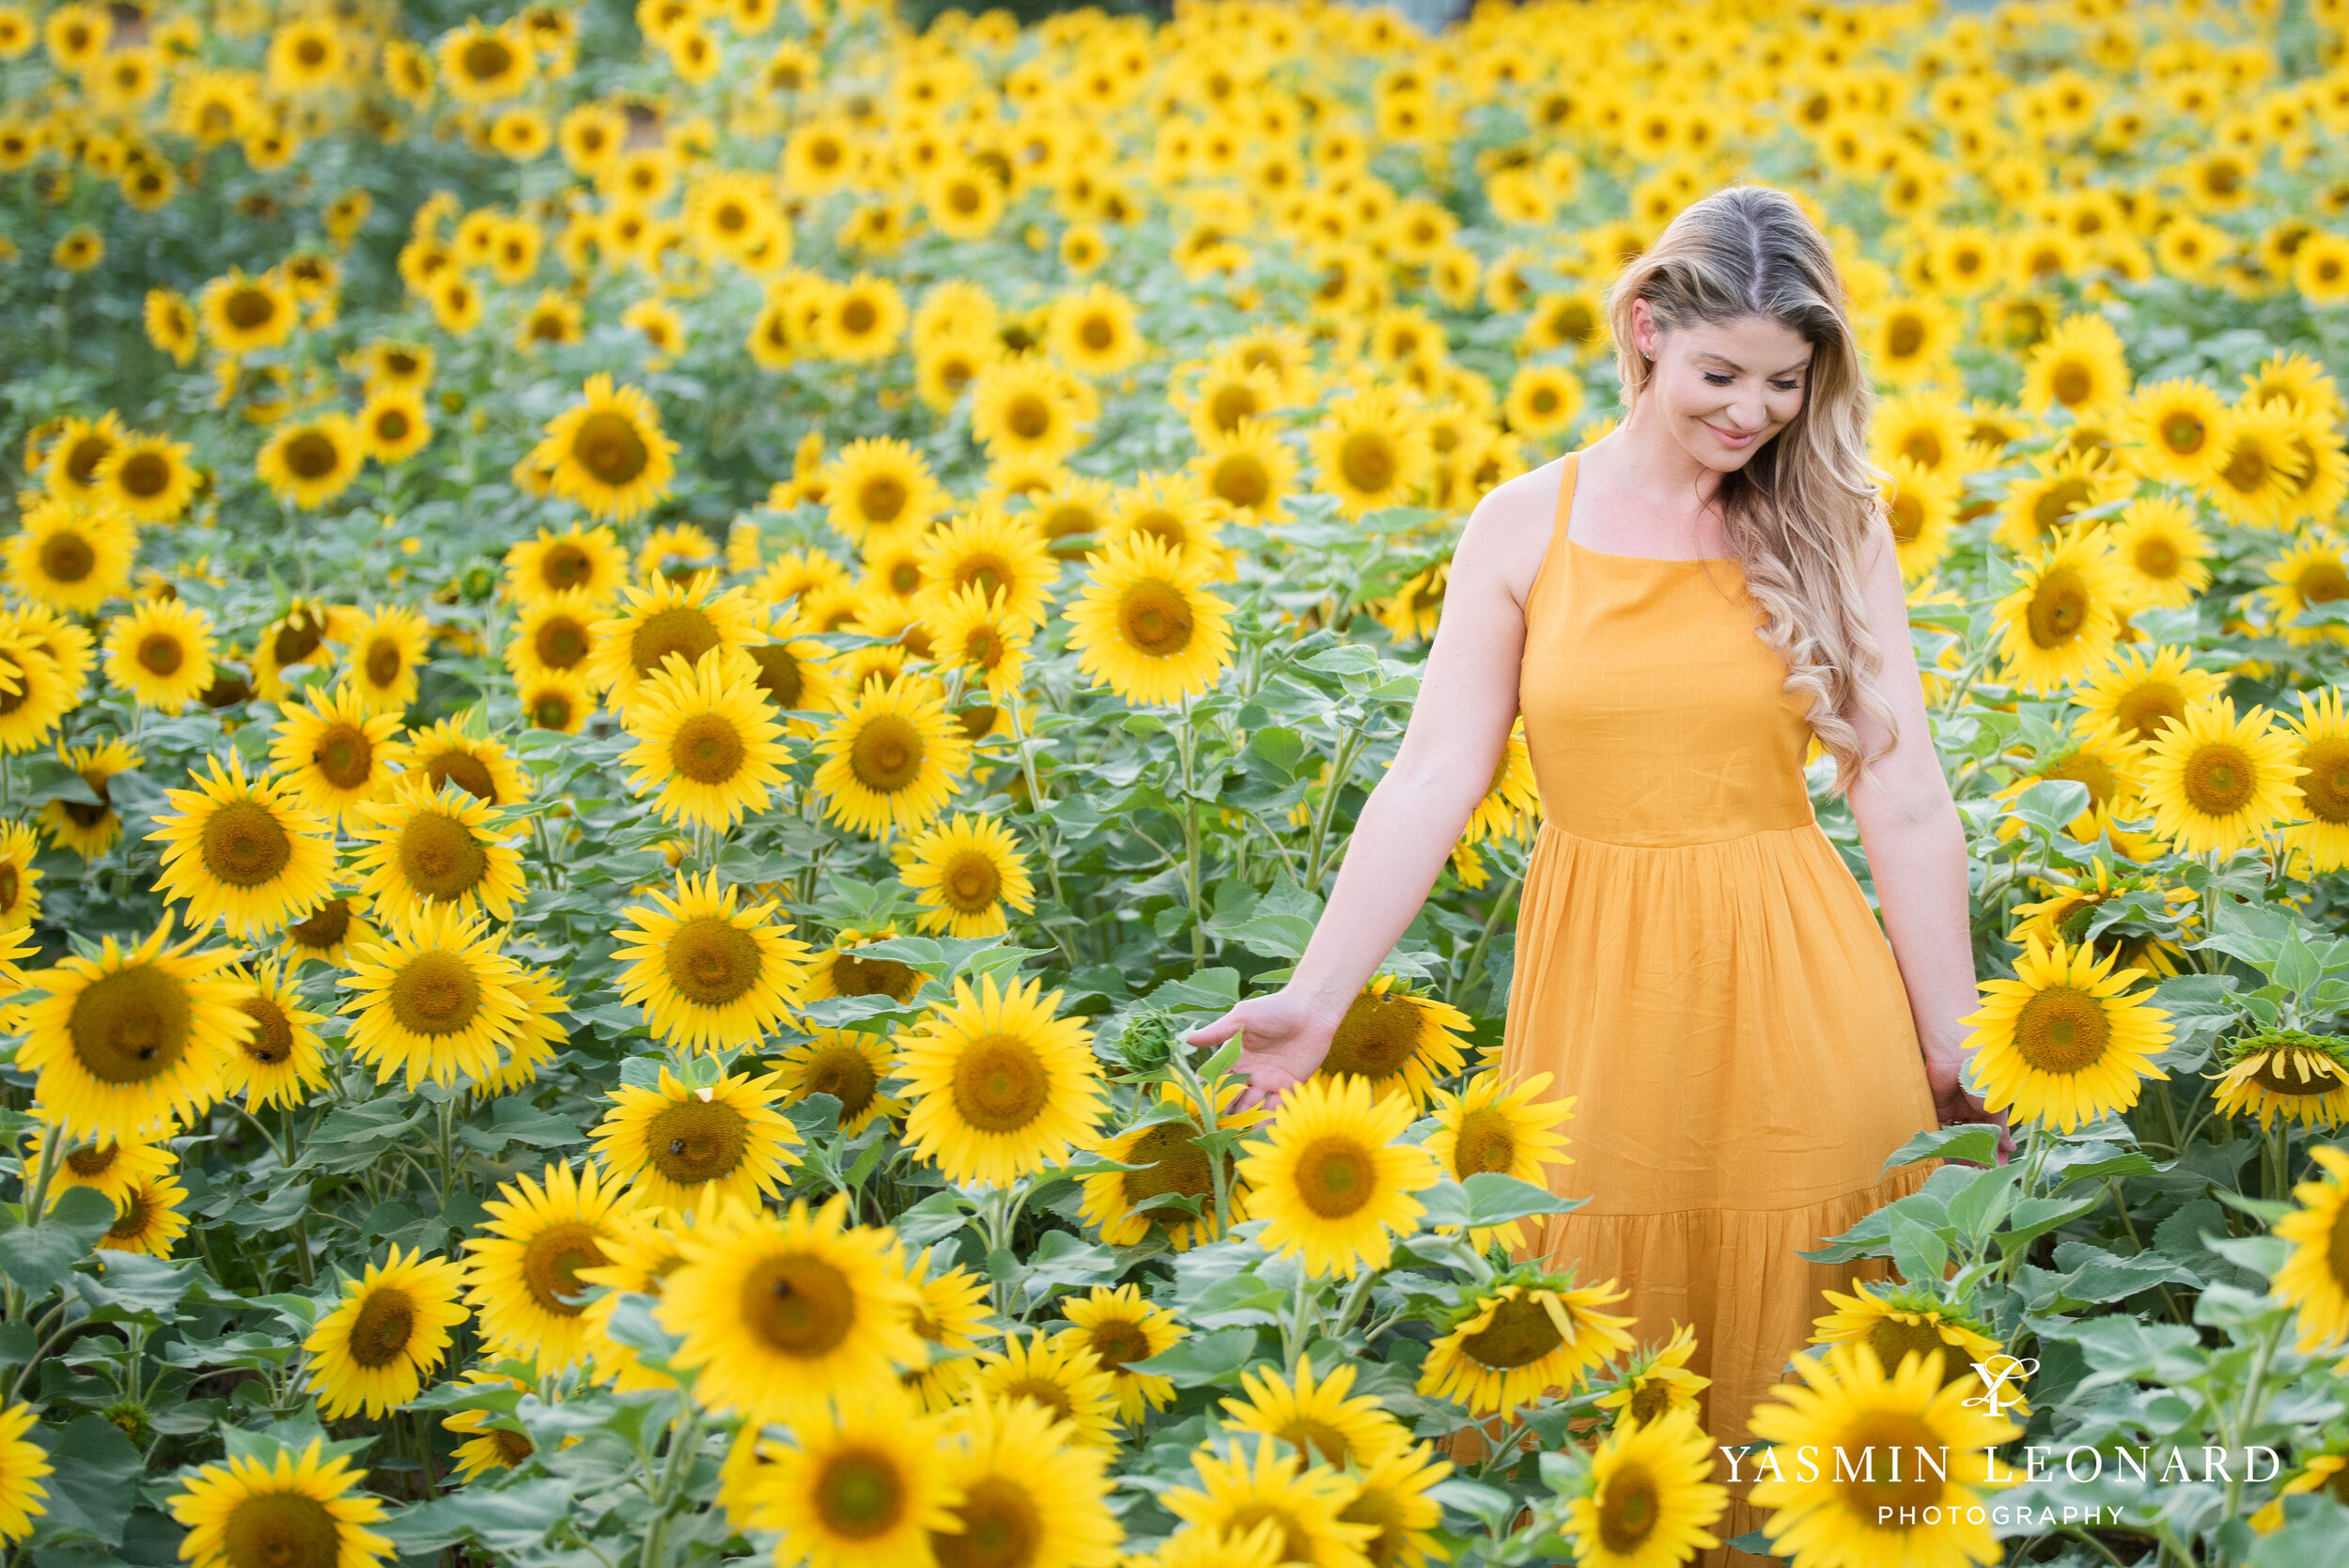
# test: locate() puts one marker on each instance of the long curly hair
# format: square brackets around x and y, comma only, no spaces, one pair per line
[1798,515]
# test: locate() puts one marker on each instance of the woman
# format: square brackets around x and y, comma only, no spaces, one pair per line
[1676,612]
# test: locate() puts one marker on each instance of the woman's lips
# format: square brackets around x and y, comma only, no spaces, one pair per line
[1732,438]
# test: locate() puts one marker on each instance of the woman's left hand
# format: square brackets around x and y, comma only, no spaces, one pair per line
[1954,1106]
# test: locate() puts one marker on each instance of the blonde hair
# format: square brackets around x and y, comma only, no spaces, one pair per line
[1799,515]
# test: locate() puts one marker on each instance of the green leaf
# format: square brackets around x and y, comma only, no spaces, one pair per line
[35,1258]
[1919,1251]
[1973,1141]
[94,1483]
[1202,1359]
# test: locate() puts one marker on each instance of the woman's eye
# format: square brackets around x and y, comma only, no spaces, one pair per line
[1787,387]
[1714,378]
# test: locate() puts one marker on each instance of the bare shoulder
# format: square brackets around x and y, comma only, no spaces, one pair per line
[1509,532]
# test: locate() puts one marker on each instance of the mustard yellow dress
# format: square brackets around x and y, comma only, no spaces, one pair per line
[1698,968]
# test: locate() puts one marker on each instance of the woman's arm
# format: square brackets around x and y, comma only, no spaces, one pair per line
[1917,855]
[1468,699]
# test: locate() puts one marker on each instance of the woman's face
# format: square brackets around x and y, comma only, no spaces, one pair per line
[1724,388]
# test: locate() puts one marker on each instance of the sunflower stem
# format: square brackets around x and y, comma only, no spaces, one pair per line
[1186,752]
[36,1194]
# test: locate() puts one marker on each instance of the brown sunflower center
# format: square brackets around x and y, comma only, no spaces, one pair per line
[281,1530]
[465,771]
[842,1072]
[439,856]
[385,1323]
[11,884]
[91,1163]
[297,639]
[1888,1448]
[1369,460]
[566,566]
[2184,434]
[485,59]
[1650,1398]
[707,748]
[1486,1142]
[2073,383]
[2061,1030]
[312,455]
[1908,518]
[1892,1338]
[712,961]
[2219,778]
[1922,448]
[1000,1084]
[67,557]
[244,845]
[272,1036]
[881,498]
[1906,337]
[887,754]
[1172,1161]
[860,1493]
[435,993]
[779,673]
[344,756]
[1155,618]
[392,425]
[1519,1334]
[384,662]
[972,882]
[2090,770]
[249,309]
[2296,1073]
[1628,1509]
[1336,1176]
[696,1142]
[325,927]
[852,976]
[998,1524]
[681,630]
[553,1261]
[609,447]
[561,642]
[161,653]
[799,1305]
[2322,582]
[132,1215]
[129,1026]
[1242,479]
[2325,787]
[1029,417]
[2247,469]
[2060,607]
[2056,505]
[1375,1038]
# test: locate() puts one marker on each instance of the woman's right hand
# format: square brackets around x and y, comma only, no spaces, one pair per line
[1284,1038]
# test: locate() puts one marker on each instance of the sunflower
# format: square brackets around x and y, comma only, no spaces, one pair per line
[966,873]
[36,692]
[2081,365]
[391,1328]
[244,315]
[1392,1495]
[1523,1339]
[841,971]
[861,319]
[1249,470]
[2256,482]
[2311,574]
[1331,1178]
[2300,1077]
[481,64]
[2216,782]
[1056,1375]
[2178,426]
[2145,690]
[704,734]
[19,878]
[1908,341]
[1904,1321]
[2059,621]
[1374,452]
[525,1271]
[308,463]
[2065,1041]
[2314,1279]
[115,1167]
[550,700]
[486,1448]
[161,653]
[426,851]
[1846,1404]
[244,853]
[2040,505]
[1396,1040]
[1654,1380]
[1030,1495]
[387,646]
[1120,1327]
[588,562]
[1001,1086]
[850,1066]
[2158,553]
[607,452]
[148,1218]
[858,1487]
[1170,1161]
[444,753]
[664,619]
[435,996]
[21,1465]
[297,637]
[71,558]
[2095,755]
[1650,1500]
[336,754]
[784,1312]
[1922,506]
[1324,1420]
[1243,1488]
[333,931]
[710,976]
[1025,408]
[282,1058]
[172,324]
[891,758]
[675,1144]
[1489,1127]
[1143,626]
[1004,558]
[89,830]
[295,1509]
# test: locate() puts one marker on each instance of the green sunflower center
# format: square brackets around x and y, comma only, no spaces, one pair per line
[1000,1085]
[435,993]
[281,1530]
[799,1305]
[999,1525]
[1519,1334]
[2219,780]
[440,857]
[712,961]
[552,1261]
[344,756]
[385,1323]
[860,1494]
[1488,1140]
[129,1026]
[696,1142]
[1336,1176]
[2063,1031]
[707,748]
[1629,1508]
[560,642]
[244,845]
[2184,434]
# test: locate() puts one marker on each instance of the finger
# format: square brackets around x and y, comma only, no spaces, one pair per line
[1211,1034]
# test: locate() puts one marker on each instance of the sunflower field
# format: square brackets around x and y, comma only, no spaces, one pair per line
[652,659]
